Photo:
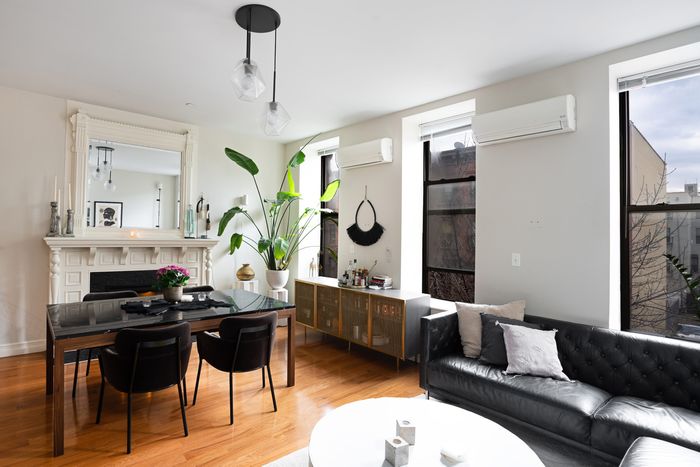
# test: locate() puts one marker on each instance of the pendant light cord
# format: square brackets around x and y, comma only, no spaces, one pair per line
[247,45]
[274,70]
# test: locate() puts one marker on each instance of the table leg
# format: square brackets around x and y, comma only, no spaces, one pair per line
[58,385]
[49,359]
[291,346]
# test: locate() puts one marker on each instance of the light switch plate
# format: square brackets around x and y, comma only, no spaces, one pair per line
[515,260]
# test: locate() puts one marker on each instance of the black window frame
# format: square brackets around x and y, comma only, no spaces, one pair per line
[427,183]
[324,216]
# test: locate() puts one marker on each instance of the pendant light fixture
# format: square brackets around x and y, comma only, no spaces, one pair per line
[246,76]
[109,185]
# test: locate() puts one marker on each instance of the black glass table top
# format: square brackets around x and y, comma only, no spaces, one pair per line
[86,318]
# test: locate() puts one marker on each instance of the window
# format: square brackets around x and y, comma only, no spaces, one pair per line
[449,216]
[660,213]
[328,256]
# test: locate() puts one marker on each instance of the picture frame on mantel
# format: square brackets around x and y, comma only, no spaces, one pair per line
[94,126]
[108,214]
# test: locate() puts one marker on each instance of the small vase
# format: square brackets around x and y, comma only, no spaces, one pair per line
[172,294]
[245,273]
[277,279]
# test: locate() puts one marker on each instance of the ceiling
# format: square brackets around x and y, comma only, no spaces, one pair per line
[339,62]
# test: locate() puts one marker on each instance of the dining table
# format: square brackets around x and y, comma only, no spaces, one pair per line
[81,325]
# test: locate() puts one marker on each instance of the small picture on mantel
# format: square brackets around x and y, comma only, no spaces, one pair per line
[108,214]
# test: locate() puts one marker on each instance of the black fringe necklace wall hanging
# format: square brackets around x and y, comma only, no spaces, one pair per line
[366,237]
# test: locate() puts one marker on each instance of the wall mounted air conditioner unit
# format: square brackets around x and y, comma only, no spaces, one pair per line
[541,118]
[374,152]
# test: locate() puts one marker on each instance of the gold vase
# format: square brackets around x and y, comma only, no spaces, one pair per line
[245,273]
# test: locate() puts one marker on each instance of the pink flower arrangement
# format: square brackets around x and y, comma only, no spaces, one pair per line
[172,276]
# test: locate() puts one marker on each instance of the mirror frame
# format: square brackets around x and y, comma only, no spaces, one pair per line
[86,128]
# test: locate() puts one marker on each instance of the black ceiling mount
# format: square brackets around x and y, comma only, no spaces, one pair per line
[257,18]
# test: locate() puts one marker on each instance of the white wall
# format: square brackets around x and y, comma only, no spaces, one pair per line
[554,200]
[32,140]
[35,146]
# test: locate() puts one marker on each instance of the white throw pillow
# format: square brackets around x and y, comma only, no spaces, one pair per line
[469,318]
[532,352]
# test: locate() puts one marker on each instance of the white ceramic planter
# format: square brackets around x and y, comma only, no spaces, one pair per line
[277,279]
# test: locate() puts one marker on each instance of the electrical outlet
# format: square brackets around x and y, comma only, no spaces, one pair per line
[515,260]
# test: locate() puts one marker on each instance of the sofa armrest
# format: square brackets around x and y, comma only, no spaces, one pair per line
[439,336]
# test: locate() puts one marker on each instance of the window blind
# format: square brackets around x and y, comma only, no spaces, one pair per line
[445,126]
[658,76]
[328,151]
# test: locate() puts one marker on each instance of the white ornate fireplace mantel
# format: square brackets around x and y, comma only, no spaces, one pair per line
[71,260]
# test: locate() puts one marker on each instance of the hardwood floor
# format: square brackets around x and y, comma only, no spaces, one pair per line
[327,377]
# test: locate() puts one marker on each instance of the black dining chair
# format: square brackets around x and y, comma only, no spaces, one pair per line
[146,360]
[92,297]
[198,288]
[244,344]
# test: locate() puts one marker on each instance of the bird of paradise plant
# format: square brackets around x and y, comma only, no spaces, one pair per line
[281,235]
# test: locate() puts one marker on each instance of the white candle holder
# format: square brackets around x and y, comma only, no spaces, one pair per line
[396,451]
[406,430]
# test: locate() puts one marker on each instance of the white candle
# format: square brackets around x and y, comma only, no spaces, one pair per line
[55,187]
[58,200]
[69,195]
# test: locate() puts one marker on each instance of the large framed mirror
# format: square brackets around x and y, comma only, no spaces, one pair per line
[130,180]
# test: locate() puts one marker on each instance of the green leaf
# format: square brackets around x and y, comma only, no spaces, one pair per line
[226,218]
[331,189]
[297,159]
[263,245]
[243,161]
[281,247]
[290,181]
[236,242]
[283,196]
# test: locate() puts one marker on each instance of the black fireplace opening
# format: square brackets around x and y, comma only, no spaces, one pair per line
[142,282]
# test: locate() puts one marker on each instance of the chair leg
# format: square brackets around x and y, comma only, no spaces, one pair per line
[87,370]
[75,374]
[196,385]
[128,424]
[99,404]
[230,398]
[184,388]
[182,409]
[272,388]
[263,376]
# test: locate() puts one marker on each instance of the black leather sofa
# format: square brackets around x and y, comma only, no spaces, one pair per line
[624,386]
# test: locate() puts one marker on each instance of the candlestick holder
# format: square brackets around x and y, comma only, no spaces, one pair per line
[69,224]
[55,225]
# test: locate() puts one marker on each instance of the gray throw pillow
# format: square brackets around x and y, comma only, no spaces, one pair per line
[469,319]
[532,352]
[493,348]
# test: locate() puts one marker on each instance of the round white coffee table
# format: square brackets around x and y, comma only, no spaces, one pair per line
[354,434]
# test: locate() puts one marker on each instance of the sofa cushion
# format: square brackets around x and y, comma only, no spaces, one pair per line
[469,319]
[562,407]
[493,348]
[623,419]
[650,452]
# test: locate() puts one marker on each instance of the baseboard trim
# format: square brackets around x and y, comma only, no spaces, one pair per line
[22,348]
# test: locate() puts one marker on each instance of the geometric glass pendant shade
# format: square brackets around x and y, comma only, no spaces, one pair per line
[247,81]
[275,118]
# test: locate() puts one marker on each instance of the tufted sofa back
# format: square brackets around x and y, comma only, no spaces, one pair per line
[629,364]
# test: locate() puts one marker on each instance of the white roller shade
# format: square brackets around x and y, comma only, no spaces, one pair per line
[658,76]
[445,126]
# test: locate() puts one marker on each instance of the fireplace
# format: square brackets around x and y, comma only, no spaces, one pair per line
[142,282]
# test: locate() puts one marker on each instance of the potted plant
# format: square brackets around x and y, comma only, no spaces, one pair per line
[279,233]
[171,279]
